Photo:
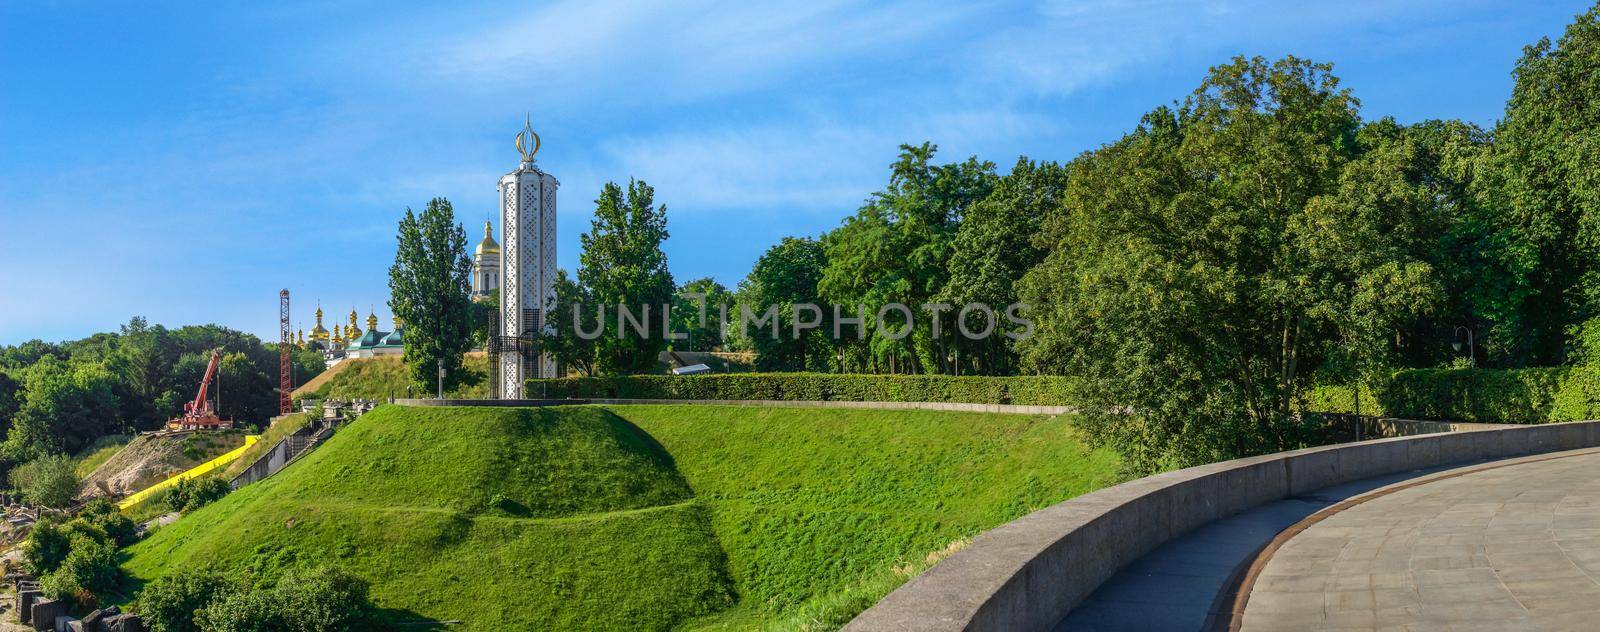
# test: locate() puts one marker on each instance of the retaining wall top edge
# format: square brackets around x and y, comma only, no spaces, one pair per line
[952,595]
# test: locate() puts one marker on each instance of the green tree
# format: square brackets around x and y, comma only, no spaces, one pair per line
[48,481]
[698,335]
[572,352]
[786,275]
[1540,201]
[896,249]
[993,248]
[1208,263]
[622,265]
[428,286]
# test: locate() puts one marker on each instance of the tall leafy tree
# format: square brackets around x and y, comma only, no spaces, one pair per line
[572,313]
[785,276]
[622,265]
[896,249]
[993,248]
[428,287]
[1541,197]
[1206,264]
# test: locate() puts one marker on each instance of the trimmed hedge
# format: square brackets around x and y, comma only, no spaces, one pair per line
[1514,396]
[1024,390]
[1519,396]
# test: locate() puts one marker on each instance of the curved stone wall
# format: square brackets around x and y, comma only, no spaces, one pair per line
[1029,573]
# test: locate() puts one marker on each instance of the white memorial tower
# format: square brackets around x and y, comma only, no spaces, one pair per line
[527,262]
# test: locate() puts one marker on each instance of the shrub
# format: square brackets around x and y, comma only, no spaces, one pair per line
[101,513]
[46,546]
[324,599]
[170,603]
[1032,390]
[194,493]
[89,571]
[48,481]
[1518,396]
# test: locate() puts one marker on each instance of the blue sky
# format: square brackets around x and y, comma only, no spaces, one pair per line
[185,161]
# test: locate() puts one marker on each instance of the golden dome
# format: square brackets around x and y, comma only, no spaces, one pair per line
[372,321]
[488,245]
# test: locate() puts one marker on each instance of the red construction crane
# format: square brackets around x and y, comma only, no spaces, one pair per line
[198,415]
[285,340]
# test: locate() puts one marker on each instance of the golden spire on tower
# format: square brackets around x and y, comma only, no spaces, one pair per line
[354,331]
[527,135]
[319,332]
[372,321]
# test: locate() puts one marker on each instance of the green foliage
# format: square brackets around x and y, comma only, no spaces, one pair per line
[993,248]
[87,574]
[1030,390]
[622,265]
[64,407]
[193,493]
[428,286]
[686,315]
[1539,206]
[634,517]
[897,249]
[574,311]
[76,560]
[104,514]
[325,599]
[1207,264]
[169,603]
[785,276]
[48,481]
[46,546]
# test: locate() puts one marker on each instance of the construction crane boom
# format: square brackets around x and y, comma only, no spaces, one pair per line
[200,403]
[285,340]
[198,413]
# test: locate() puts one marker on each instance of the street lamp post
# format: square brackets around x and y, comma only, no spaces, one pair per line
[441,378]
[1472,351]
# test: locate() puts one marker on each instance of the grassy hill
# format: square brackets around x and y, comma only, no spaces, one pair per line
[377,378]
[636,517]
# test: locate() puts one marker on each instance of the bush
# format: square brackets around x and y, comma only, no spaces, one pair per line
[101,513]
[1031,390]
[194,493]
[169,603]
[88,572]
[48,481]
[1517,396]
[324,599]
[46,547]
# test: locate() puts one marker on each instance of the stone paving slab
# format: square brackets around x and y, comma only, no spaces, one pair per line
[1507,548]
[1175,587]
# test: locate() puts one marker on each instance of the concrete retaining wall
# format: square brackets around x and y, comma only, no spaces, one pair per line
[1029,573]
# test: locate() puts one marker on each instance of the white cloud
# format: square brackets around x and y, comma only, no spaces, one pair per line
[673,51]
[809,163]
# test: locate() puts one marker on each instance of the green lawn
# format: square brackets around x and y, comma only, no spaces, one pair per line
[636,517]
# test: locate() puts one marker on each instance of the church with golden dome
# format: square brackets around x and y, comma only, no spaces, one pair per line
[349,341]
[485,265]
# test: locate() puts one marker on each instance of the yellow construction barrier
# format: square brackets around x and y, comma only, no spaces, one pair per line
[194,472]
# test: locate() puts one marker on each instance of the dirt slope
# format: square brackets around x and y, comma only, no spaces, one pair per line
[151,458]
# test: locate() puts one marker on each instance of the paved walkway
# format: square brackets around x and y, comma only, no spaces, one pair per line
[1180,585]
[1503,548]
